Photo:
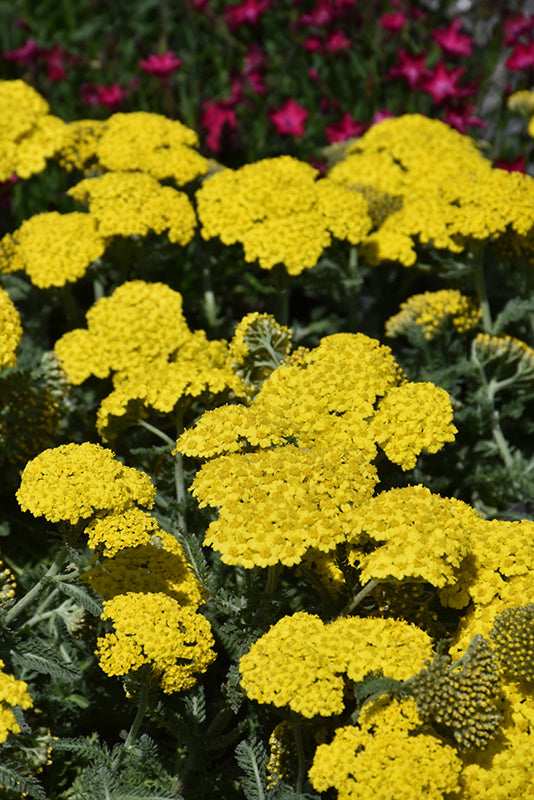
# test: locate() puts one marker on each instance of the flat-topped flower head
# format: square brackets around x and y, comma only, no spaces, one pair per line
[512,636]
[76,481]
[10,331]
[430,312]
[137,323]
[300,662]
[12,693]
[280,213]
[198,368]
[151,143]
[29,134]
[52,248]
[135,204]
[154,562]
[387,749]
[80,144]
[450,194]
[151,628]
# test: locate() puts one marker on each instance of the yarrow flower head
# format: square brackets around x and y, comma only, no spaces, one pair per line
[12,693]
[29,134]
[150,143]
[450,193]
[76,481]
[431,311]
[153,629]
[134,203]
[313,426]
[279,212]
[513,637]
[10,331]
[52,248]
[387,748]
[300,662]
[259,346]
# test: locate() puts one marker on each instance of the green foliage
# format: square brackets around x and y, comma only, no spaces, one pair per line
[251,757]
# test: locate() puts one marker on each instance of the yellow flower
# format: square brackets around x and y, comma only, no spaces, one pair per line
[12,693]
[413,418]
[134,203]
[29,134]
[152,628]
[259,345]
[80,144]
[279,212]
[417,535]
[300,662]
[52,248]
[430,311]
[10,331]
[7,585]
[76,481]
[445,191]
[521,102]
[151,143]
[30,418]
[387,755]
[117,530]
[137,323]
[508,776]
[158,564]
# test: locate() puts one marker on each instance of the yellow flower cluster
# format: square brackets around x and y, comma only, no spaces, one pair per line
[80,145]
[513,636]
[316,421]
[430,311]
[301,661]
[386,755]
[134,204]
[52,248]
[7,585]
[139,334]
[416,535]
[521,102]
[29,420]
[151,143]
[10,330]
[29,134]
[450,193]
[280,213]
[12,693]
[510,356]
[76,481]
[152,628]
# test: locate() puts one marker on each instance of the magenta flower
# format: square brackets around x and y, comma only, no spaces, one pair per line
[522,56]
[394,22]
[337,41]
[289,119]
[452,41]
[518,164]
[94,94]
[313,44]
[462,118]
[245,13]
[442,84]
[218,120]
[27,54]
[411,68]
[346,128]
[381,114]
[514,27]
[161,65]
[255,59]
[320,16]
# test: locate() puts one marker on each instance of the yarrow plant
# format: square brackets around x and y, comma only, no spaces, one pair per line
[266,421]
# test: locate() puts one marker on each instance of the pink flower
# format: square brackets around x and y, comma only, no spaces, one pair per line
[290,118]
[27,54]
[346,128]
[394,22]
[411,68]
[514,27]
[462,118]
[161,65]
[246,13]
[94,94]
[313,44]
[518,164]
[320,16]
[522,56]
[255,59]
[337,41]
[442,83]
[453,42]
[56,59]
[218,120]
[381,114]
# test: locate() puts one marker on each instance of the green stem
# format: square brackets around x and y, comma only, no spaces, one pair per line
[142,705]
[480,286]
[362,594]
[156,431]
[282,294]
[179,479]
[273,571]
[209,302]
[353,289]
[297,733]
[30,596]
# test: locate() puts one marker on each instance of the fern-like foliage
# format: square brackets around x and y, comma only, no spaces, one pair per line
[251,757]
[16,781]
